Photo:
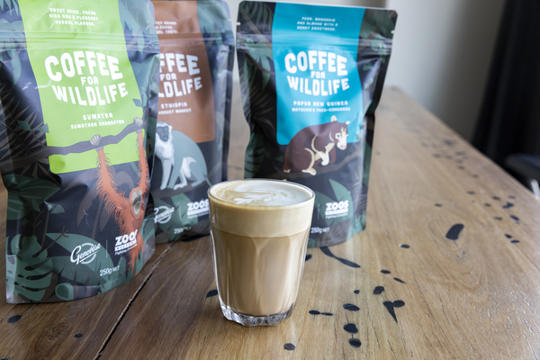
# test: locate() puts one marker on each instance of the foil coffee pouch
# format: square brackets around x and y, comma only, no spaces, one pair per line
[192,136]
[311,78]
[78,106]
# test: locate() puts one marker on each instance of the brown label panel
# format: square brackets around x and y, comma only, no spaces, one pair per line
[186,99]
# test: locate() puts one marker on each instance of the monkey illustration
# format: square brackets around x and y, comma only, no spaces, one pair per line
[181,159]
[128,212]
[185,173]
[165,151]
[315,145]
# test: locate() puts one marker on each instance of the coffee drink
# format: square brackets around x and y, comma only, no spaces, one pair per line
[259,233]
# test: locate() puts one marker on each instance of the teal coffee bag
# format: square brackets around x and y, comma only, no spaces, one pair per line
[78,107]
[192,136]
[311,78]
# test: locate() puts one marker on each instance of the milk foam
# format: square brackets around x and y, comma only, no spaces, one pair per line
[261,193]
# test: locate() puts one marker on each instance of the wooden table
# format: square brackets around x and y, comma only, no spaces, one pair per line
[449,269]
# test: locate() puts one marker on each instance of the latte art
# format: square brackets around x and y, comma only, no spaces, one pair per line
[261,193]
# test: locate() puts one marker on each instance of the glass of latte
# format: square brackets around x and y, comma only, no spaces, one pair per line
[259,233]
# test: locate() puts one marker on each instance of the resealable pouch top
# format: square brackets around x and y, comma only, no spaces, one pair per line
[192,135]
[78,106]
[311,78]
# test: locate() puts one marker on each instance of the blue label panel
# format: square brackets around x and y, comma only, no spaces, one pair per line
[315,50]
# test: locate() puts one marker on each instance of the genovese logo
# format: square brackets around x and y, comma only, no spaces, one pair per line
[84,253]
[163,214]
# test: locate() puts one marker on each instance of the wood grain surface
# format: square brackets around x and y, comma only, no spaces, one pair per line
[448,268]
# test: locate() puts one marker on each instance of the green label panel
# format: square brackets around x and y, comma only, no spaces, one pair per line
[86,84]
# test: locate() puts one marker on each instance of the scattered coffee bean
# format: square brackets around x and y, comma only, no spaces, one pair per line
[289,347]
[351,307]
[350,328]
[355,342]
[14,319]
[378,290]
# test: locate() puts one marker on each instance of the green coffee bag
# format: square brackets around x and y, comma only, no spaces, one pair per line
[78,102]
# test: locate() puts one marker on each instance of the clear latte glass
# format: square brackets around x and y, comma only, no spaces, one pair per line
[259,234]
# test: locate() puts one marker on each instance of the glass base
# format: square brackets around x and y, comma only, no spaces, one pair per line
[248,320]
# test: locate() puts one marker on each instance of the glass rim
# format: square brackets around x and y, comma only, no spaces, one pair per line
[302,203]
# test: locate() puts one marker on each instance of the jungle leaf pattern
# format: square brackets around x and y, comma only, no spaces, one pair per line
[30,269]
[24,193]
[64,291]
[217,32]
[342,194]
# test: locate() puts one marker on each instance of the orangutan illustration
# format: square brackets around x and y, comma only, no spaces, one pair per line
[127,212]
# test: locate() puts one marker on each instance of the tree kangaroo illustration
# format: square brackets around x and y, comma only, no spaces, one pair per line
[315,146]
[128,212]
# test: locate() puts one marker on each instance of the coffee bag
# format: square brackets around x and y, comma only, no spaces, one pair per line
[311,78]
[78,103]
[192,138]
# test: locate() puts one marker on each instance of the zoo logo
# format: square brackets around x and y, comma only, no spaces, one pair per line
[84,253]
[337,209]
[198,208]
[163,214]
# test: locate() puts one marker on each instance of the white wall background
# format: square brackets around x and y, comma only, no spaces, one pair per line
[442,53]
